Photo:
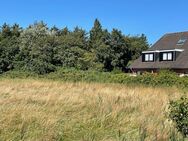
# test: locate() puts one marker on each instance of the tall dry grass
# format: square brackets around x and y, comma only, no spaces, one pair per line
[48,110]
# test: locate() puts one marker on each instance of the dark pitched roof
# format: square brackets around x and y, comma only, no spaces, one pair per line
[167,42]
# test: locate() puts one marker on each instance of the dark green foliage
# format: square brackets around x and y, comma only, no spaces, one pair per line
[119,49]
[179,114]
[19,74]
[163,79]
[72,51]
[16,30]
[136,45]
[41,49]
[104,51]
[55,31]
[9,46]
[8,51]
[36,50]
[96,35]
[78,75]
[6,31]
[111,48]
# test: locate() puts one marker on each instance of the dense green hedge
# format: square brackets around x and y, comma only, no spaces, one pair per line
[164,78]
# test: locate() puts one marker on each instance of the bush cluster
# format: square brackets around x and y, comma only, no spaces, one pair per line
[163,79]
[179,114]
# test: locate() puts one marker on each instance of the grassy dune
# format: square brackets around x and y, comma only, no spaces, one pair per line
[48,110]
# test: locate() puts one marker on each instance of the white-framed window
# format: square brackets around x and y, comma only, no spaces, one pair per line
[149,57]
[167,56]
[164,56]
[146,57]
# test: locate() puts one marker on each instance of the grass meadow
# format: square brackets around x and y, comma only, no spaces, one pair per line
[46,110]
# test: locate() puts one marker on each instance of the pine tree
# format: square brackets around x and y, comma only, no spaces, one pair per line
[64,31]
[55,31]
[16,30]
[9,46]
[104,51]
[6,30]
[96,35]
[120,50]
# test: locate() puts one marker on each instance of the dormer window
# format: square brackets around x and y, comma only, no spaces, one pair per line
[161,55]
[148,57]
[166,56]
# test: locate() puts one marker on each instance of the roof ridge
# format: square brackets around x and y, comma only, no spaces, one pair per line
[177,32]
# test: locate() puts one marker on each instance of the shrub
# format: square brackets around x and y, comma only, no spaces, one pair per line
[19,74]
[163,79]
[167,78]
[179,115]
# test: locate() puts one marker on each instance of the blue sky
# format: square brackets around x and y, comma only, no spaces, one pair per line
[151,17]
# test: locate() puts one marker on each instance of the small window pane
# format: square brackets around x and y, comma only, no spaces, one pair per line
[146,57]
[151,57]
[169,56]
[164,56]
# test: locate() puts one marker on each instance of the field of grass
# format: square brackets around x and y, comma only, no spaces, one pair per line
[46,110]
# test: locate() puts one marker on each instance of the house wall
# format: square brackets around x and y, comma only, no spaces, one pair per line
[140,71]
[181,71]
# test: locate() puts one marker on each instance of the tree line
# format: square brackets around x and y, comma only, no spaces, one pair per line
[41,49]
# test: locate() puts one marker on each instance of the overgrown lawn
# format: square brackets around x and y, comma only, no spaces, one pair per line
[53,110]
